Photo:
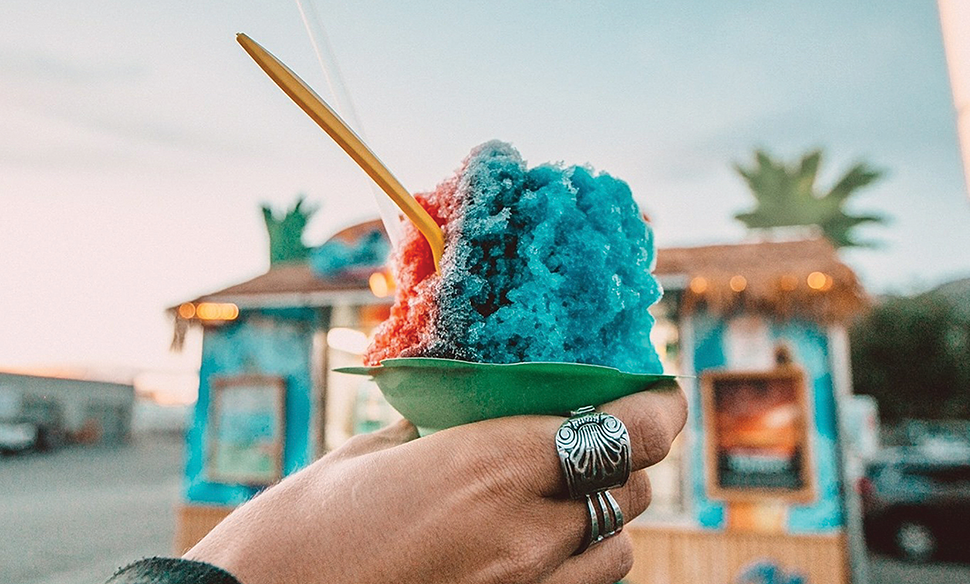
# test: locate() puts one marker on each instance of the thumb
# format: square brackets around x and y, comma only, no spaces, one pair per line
[393,435]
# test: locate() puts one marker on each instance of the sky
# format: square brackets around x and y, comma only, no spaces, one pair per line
[138,140]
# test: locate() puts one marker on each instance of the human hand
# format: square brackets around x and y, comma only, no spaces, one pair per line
[482,503]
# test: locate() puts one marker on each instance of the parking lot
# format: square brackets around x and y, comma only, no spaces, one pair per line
[75,515]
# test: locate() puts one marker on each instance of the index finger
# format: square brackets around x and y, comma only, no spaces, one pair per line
[653,418]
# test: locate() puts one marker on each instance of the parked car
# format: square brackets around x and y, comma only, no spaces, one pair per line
[918,508]
[17,437]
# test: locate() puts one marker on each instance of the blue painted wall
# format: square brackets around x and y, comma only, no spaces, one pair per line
[263,342]
[810,348]
[708,354]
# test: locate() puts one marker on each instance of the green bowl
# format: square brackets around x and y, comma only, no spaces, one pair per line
[435,394]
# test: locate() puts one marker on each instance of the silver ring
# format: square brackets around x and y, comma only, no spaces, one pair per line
[605,519]
[594,451]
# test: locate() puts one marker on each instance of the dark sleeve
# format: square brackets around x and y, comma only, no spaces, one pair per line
[171,571]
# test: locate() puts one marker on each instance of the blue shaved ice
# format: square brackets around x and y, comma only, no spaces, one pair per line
[550,263]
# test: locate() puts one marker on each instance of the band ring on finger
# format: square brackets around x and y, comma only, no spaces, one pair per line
[605,519]
[594,451]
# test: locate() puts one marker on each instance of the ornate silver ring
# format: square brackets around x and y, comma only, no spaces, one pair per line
[594,450]
[605,519]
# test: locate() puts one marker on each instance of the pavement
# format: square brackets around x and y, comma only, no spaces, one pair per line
[885,570]
[77,514]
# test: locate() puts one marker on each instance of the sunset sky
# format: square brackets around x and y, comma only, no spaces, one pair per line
[137,140]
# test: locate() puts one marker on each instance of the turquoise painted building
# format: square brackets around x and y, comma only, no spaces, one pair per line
[267,403]
[756,478]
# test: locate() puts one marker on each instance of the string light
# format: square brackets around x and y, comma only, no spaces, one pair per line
[217,311]
[186,310]
[738,283]
[819,281]
[698,285]
[828,283]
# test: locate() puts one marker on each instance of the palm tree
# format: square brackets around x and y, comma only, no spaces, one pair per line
[286,232]
[786,195]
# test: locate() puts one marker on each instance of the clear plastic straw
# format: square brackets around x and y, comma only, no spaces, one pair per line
[390,214]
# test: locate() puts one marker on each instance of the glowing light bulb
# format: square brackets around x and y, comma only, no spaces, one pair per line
[217,311]
[818,281]
[378,284]
[738,283]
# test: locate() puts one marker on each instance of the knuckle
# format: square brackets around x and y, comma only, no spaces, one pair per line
[522,563]
[499,470]
[616,559]
[479,459]
[655,427]
[680,410]
[392,435]
[488,484]
[352,445]
[623,561]
[653,436]
[515,459]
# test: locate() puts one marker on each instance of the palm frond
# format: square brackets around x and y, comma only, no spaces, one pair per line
[787,195]
[854,179]
[841,228]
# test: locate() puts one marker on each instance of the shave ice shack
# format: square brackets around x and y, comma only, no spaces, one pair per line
[751,489]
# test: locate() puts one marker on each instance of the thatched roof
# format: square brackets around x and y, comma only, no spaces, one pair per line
[295,284]
[285,285]
[289,285]
[782,278]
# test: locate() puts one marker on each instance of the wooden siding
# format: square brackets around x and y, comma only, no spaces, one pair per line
[193,522]
[686,556]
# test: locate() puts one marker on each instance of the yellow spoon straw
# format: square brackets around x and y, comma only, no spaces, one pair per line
[326,118]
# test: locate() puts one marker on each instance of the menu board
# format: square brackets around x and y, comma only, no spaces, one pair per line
[756,427]
[246,430]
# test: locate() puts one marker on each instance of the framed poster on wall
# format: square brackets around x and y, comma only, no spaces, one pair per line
[757,440]
[246,430]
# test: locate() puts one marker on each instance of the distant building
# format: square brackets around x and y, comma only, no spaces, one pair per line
[67,410]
